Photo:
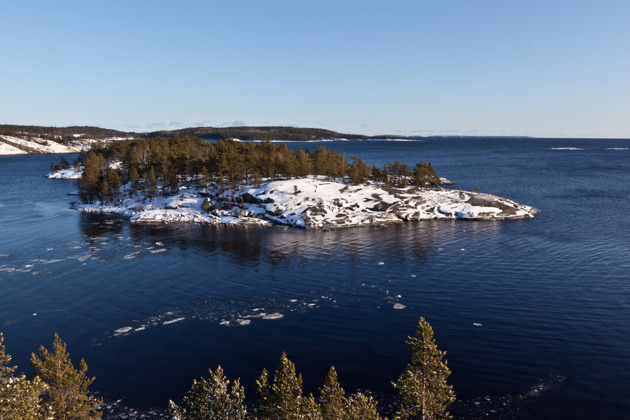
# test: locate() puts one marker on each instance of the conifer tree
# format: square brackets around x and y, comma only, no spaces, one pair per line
[20,397]
[68,392]
[422,385]
[332,397]
[359,406]
[335,405]
[283,398]
[6,370]
[210,399]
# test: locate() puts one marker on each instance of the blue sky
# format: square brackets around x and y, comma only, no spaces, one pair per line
[471,67]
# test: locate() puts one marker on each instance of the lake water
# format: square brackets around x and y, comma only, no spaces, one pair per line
[534,314]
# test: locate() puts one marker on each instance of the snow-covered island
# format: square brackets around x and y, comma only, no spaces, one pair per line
[312,202]
[190,180]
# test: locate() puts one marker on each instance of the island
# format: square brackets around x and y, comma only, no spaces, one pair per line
[187,179]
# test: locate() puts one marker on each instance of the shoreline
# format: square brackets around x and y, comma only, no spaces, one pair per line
[309,203]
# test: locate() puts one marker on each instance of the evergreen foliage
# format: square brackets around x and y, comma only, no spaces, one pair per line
[210,399]
[283,398]
[68,388]
[156,166]
[335,405]
[422,385]
[332,397]
[20,398]
[6,370]
[424,174]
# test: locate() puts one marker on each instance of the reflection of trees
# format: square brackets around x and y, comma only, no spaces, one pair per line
[94,224]
[280,246]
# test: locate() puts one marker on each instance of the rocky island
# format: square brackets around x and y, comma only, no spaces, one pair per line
[312,202]
[223,183]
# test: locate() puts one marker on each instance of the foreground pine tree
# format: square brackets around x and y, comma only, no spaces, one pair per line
[20,397]
[6,370]
[210,399]
[335,405]
[283,398]
[68,388]
[422,385]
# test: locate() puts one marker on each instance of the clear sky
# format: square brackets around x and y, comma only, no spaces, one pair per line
[421,67]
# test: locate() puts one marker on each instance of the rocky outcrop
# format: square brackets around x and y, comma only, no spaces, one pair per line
[317,203]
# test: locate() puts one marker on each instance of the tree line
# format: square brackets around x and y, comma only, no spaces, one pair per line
[155,166]
[57,390]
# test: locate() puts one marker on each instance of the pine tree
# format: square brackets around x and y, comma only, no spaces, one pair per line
[359,406]
[68,388]
[210,399]
[6,370]
[424,174]
[422,385]
[335,405]
[283,398]
[332,397]
[20,397]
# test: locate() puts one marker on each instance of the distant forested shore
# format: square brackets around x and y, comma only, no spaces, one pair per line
[209,133]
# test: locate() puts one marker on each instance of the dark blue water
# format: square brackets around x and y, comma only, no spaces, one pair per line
[552,294]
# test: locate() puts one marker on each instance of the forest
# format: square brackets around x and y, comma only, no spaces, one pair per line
[262,133]
[156,166]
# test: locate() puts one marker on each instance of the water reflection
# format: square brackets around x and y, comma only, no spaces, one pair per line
[415,241]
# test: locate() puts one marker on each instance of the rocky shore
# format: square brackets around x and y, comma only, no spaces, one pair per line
[311,203]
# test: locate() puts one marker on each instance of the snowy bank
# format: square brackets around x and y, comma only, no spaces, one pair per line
[32,145]
[71,173]
[312,203]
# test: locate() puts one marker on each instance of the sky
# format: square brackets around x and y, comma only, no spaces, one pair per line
[422,67]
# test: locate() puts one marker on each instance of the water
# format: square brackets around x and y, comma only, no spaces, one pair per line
[144,305]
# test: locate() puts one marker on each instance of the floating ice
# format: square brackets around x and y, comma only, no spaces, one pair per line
[399,306]
[122,330]
[381,263]
[477,324]
[157,251]
[244,322]
[275,315]
[172,321]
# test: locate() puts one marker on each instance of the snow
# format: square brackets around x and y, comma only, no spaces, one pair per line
[7,149]
[37,145]
[72,173]
[75,172]
[312,202]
